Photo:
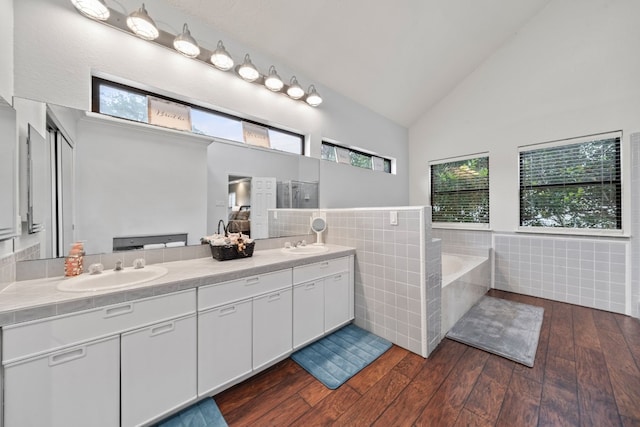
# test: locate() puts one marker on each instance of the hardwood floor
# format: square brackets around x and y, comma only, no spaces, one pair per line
[586,373]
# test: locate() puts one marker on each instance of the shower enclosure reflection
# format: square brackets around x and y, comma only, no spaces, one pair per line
[297,195]
[250,199]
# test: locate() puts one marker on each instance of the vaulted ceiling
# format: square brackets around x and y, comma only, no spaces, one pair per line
[398,58]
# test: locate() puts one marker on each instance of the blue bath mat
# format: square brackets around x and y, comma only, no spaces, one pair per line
[202,414]
[339,356]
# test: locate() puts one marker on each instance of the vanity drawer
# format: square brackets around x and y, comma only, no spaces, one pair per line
[31,338]
[234,290]
[307,273]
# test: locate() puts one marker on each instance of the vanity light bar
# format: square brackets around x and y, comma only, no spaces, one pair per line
[292,90]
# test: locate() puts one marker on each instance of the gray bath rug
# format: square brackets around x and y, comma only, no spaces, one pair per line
[506,328]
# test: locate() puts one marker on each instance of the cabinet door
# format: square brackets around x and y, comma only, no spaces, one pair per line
[77,386]
[336,301]
[272,327]
[224,345]
[158,369]
[308,312]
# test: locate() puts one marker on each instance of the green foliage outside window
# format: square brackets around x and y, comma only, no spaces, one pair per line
[572,186]
[120,103]
[460,191]
[356,158]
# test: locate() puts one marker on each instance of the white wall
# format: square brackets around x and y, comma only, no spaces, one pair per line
[345,186]
[56,62]
[571,71]
[6,50]
[136,180]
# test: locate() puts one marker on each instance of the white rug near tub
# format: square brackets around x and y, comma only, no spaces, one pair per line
[506,328]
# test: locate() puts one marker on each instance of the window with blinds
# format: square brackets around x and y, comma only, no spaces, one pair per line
[572,184]
[460,191]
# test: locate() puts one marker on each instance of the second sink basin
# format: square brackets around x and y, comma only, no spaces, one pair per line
[305,250]
[112,279]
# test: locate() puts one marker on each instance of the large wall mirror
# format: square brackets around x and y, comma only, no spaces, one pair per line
[8,184]
[116,178]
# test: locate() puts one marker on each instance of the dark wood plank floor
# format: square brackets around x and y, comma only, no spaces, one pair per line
[586,373]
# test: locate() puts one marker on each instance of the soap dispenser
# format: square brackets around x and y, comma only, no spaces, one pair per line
[73,264]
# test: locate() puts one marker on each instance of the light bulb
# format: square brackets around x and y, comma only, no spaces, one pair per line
[273,81]
[186,44]
[94,9]
[294,90]
[142,25]
[247,70]
[313,98]
[221,59]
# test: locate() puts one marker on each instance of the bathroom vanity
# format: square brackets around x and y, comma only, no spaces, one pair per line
[141,353]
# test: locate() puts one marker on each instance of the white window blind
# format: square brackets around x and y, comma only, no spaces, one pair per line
[572,184]
[460,191]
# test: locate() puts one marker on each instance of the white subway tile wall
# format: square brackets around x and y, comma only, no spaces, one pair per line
[289,222]
[434,292]
[7,270]
[635,224]
[390,272]
[584,271]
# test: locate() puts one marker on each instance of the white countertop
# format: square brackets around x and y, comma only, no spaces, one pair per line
[35,299]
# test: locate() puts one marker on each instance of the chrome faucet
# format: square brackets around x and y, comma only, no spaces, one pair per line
[96,268]
[118,266]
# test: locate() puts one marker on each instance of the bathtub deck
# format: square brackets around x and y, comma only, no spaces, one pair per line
[586,373]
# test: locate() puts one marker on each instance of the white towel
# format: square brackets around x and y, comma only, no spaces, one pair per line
[175,244]
[154,246]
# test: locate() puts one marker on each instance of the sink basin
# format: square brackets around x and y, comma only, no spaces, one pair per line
[111,279]
[305,250]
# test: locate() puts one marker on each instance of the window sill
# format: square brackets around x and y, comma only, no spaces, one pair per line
[132,124]
[460,226]
[577,232]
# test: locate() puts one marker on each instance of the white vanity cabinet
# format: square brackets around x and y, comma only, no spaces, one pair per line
[272,327]
[77,386]
[337,304]
[69,370]
[224,340]
[308,312]
[323,298]
[158,369]
[132,363]
[243,325]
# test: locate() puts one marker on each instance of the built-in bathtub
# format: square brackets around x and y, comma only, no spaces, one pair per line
[465,279]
